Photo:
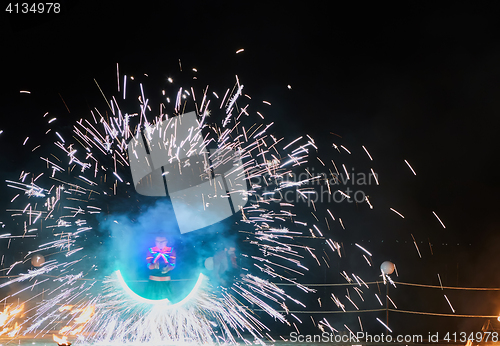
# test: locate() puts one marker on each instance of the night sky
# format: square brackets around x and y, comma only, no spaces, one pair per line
[416,82]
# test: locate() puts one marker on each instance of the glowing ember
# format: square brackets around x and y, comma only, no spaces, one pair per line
[7,317]
[79,322]
[85,315]
[61,341]
[65,308]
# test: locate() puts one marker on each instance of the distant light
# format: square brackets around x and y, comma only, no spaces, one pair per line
[289,86]
[170,80]
[240,50]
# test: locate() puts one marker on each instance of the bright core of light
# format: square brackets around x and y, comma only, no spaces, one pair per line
[166,302]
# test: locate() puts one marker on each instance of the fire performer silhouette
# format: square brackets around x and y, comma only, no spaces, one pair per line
[161,260]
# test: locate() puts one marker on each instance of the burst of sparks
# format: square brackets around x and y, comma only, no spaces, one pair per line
[207,314]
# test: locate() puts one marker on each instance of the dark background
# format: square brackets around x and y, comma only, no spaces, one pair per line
[415,81]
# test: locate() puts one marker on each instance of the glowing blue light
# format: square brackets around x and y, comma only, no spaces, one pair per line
[166,302]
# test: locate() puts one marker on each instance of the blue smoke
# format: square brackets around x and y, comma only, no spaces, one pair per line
[132,234]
